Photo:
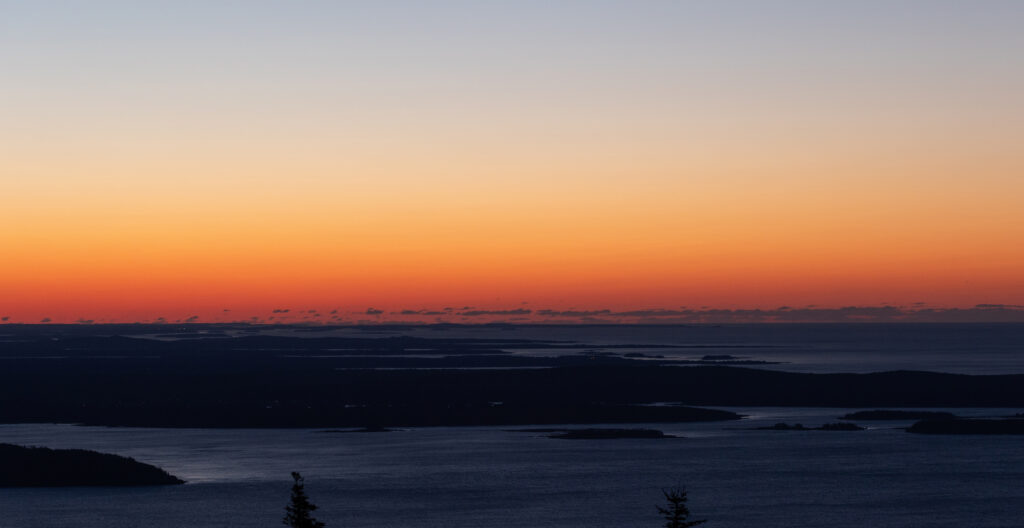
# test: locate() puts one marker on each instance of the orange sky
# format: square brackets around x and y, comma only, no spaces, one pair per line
[145,174]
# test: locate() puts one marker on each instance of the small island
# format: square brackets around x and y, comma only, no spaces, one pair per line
[22,466]
[965,426]
[890,414]
[608,434]
[839,426]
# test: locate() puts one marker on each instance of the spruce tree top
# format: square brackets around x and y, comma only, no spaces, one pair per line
[298,512]
[676,513]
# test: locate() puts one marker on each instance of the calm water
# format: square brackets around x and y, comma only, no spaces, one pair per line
[472,477]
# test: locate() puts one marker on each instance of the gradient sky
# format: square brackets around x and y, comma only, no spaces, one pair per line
[168,159]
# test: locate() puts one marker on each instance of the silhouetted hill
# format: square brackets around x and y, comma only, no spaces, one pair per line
[39,466]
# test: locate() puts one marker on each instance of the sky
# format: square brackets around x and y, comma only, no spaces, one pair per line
[224,159]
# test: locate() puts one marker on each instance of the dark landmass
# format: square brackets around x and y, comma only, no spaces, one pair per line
[608,434]
[216,391]
[719,357]
[966,426]
[82,374]
[885,414]
[800,427]
[39,466]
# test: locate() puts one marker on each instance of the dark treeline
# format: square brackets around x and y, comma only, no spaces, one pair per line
[40,466]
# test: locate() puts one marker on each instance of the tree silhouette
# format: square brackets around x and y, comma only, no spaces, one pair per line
[298,512]
[676,513]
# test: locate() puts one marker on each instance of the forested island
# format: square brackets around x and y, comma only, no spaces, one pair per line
[22,466]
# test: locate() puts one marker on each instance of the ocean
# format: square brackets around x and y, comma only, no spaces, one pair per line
[470,477]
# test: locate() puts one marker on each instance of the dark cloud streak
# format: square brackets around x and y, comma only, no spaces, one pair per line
[478,313]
